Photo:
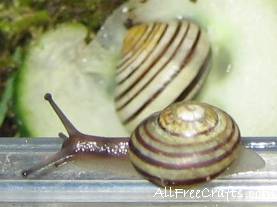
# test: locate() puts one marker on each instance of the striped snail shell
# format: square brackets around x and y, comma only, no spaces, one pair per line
[161,63]
[187,143]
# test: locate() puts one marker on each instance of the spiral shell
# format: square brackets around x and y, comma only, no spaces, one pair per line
[161,63]
[187,143]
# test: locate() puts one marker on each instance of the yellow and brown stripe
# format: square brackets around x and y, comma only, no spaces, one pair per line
[165,63]
[186,144]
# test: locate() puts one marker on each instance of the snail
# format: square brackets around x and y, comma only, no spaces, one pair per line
[186,143]
[162,62]
[163,65]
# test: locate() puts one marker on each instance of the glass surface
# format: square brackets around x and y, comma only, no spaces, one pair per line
[101,180]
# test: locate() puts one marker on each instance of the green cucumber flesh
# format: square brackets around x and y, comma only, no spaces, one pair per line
[242,80]
[78,75]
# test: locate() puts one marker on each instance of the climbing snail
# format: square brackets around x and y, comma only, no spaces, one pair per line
[184,144]
[161,63]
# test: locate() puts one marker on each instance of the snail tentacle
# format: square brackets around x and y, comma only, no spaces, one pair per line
[70,128]
[63,136]
[78,143]
[57,159]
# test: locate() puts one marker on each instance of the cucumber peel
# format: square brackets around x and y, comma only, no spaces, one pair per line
[6,98]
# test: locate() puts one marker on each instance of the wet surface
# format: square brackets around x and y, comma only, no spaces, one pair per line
[19,154]
[93,179]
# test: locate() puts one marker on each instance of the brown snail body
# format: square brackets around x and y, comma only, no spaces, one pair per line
[79,143]
[186,143]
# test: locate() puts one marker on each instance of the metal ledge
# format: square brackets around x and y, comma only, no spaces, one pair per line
[74,183]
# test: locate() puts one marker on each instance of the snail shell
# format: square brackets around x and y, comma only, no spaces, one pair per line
[187,143]
[161,63]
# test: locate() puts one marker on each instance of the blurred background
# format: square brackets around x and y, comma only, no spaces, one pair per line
[24,20]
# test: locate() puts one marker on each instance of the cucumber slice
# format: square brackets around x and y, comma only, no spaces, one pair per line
[241,81]
[79,76]
[243,35]
[6,98]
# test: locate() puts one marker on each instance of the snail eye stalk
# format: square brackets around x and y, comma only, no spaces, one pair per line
[78,142]
[71,130]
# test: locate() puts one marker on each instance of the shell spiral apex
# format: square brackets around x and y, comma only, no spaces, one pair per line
[186,143]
